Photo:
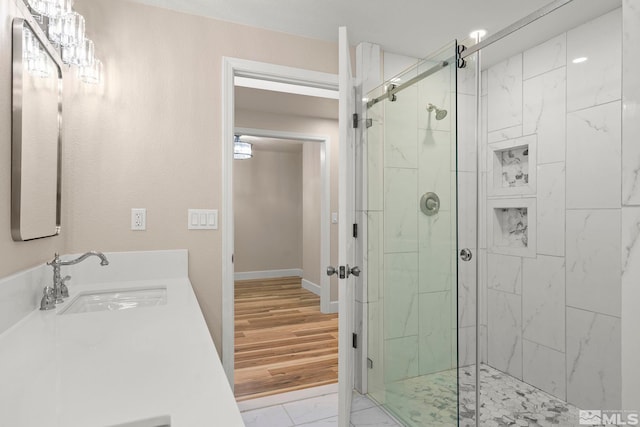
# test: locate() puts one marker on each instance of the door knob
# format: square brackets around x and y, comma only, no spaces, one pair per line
[466,255]
[343,272]
[353,270]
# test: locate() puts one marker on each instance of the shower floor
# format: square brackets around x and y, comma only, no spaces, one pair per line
[430,400]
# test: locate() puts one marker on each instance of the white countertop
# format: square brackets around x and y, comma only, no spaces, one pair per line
[105,368]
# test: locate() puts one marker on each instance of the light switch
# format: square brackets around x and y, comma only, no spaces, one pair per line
[334,217]
[202,219]
[212,219]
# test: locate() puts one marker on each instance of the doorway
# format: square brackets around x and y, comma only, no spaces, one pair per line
[285,324]
[273,75]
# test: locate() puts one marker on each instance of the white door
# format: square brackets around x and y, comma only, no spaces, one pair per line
[346,244]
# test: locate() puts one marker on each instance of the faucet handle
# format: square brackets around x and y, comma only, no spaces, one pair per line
[48,301]
[56,259]
[63,287]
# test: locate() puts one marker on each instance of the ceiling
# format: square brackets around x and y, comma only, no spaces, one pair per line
[411,27]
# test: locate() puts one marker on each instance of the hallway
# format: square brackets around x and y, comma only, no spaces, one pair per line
[282,340]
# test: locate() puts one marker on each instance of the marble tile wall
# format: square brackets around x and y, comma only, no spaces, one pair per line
[547,314]
[505,94]
[630,313]
[631,201]
[543,319]
[631,101]
[630,257]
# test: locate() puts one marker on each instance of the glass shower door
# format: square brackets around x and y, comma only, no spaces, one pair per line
[412,235]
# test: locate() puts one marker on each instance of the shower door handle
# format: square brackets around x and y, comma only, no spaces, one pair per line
[466,254]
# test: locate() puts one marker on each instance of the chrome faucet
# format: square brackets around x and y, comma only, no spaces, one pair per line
[55,295]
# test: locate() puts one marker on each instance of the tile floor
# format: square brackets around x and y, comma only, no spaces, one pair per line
[431,401]
[320,411]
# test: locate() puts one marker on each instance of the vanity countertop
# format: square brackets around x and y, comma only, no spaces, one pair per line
[111,367]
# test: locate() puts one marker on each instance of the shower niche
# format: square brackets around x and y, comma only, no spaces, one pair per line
[512,226]
[512,167]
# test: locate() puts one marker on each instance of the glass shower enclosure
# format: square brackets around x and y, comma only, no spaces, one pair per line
[485,243]
[412,225]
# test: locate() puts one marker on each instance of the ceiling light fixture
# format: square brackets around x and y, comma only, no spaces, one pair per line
[241,150]
[579,60]
[477,34]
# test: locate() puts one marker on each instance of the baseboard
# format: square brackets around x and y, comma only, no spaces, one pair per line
[267,274]
[333,307]
[311,287]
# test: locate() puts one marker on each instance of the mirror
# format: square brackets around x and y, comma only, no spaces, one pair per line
[35,134]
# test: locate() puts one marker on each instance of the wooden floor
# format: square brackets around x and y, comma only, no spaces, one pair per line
[282,340]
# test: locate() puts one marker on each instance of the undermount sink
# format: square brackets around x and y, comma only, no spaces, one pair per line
[116,300]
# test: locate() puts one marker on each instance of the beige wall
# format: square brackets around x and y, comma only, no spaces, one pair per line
[267,204]
[14,256]
[311,204]
[308,126]
[149,136]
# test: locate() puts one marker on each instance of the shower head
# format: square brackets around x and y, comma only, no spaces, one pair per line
[440,113]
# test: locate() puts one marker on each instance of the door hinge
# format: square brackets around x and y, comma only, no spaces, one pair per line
[355,231]
[355,120]
[354,340]
[368,123]
[232,258]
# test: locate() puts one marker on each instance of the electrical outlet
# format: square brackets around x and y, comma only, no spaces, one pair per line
[138,219]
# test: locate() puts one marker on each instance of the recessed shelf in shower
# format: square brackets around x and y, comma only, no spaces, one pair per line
[512,226]
[512,167]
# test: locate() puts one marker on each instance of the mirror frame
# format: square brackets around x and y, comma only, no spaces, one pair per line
[16,123]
